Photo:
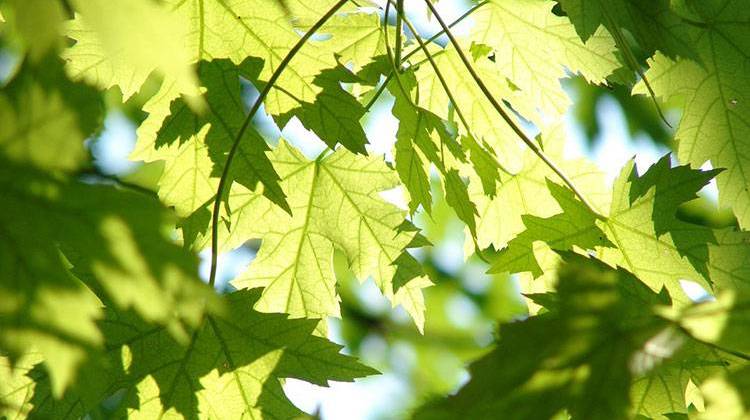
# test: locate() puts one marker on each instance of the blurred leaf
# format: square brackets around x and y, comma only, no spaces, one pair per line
[231,364]
[120,42]
[584,356]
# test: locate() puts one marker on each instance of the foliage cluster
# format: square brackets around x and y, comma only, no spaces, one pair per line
[102,311]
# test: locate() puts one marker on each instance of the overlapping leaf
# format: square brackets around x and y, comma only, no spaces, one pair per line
[231,366]
[335,204]
[215,133]
[590,355]
[115,241]
[526,193]
[121,42]
[653,24]
[231,30]
[423,139]
[715,124]
[57,232]
[647,238]
[44,118]
[533,48]
[482,118]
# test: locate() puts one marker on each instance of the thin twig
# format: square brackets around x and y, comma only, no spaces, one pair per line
[399,24]
[416,49]
[632,62]
[534,148]
[442,31]
[256,106]
[114,179]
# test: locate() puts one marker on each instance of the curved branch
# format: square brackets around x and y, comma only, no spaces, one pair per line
[427,41]
[246,123]
[516,129]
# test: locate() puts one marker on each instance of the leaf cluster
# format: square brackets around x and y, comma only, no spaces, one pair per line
[104,313]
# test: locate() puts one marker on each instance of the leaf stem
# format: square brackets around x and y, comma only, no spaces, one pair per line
[440,77]
[395,66]
[114,179]
[379,92]
[442,31]
[414,50]
[245,124]
[526,140]
[399,25]
[632,62]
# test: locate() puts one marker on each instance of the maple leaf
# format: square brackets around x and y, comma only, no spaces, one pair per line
[726,396]
[526,193]
[37,23]
[37,106]
[214,133]
[231,366]
[714,125]
[121,42]
[422,133]
[647,238]
[574,226]
[57,232]
[653,24]
[479,112]
[335,204]
[599,328]
[533,48]
[17,388]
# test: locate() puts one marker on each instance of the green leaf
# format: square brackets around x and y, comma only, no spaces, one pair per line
[727,396]
[533,48]
[357,38]
[38,23]
[485,165]
[45,118]
[232,365]
[335,204]
[420,141]
[650,241]
[16,387]
[113,240]
[577,357]
[457,196]
[121,42]
[413,172]
[645,235]
[526,192]
[483,119]
[575,226]
[653,24]
[716,95]
[335,114]
[214,133]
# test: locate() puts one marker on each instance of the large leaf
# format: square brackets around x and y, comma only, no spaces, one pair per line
[214,133]
[645,235]
[533,48]
[716,95]
[121,42]
[653,24]
[526,193]
[231,366]
[335,204]
[45,118]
